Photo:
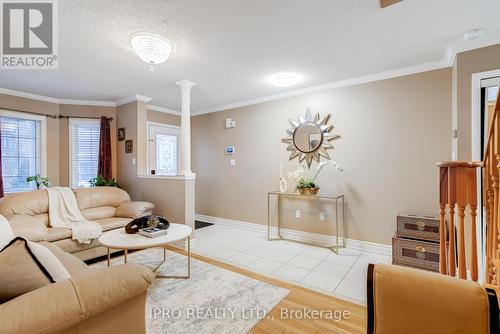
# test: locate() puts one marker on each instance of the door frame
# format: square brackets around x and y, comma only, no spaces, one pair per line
[476,156]
[161,125]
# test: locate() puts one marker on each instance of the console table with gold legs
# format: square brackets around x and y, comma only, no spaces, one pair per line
[119,239]
[334,198]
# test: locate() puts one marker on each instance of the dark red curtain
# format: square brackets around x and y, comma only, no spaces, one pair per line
[1,171]
[104,165]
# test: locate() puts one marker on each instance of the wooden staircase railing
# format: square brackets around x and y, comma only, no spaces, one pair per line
[458,191]
[458,208]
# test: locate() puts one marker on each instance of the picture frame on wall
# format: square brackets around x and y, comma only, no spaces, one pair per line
[121,134]
[129,146]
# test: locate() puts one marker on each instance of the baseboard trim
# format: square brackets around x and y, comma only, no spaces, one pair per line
[299,235]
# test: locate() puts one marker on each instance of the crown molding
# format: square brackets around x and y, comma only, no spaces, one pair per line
[26,95]
[55,100]
[447,61]
[95,103]
[132,98]
[487,40]
[164,110]
[333,85]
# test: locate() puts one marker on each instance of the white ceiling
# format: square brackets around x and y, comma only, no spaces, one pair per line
[230,47]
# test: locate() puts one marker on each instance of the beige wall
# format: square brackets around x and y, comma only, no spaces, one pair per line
[23,104]
[468,63]
[394,131]
[126,117]
[168,195]
[57,131]
[161,117]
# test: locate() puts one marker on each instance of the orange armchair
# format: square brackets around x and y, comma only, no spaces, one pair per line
[411,301]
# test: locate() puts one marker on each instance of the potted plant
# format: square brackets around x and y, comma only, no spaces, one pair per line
[307,187]
[101,181]
[39,180]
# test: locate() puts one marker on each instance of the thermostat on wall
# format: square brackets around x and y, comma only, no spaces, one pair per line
[229,150]
[230,123]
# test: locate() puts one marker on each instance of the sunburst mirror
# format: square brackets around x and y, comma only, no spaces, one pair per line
[310,137]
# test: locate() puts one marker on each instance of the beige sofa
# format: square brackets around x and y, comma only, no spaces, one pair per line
[92,301]
[110,207]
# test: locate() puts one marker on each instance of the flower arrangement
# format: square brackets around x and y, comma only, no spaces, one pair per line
[307,187]
[324,163]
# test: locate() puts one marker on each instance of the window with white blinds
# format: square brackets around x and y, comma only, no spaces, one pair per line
[21,152]
[84,150]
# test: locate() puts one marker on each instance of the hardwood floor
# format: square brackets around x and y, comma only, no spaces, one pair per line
[301,299]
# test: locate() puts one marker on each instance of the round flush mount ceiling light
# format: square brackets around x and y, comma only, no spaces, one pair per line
[473,34]
[150,47]
[285,79]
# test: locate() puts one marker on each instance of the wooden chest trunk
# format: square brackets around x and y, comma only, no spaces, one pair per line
[418,227]
[415,253]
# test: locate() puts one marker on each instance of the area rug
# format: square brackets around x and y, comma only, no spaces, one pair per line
[213,300]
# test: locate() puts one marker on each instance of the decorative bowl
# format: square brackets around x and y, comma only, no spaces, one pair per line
[308,191]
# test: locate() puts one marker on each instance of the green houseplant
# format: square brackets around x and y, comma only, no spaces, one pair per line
[39,180]
[101,181]
[307,187]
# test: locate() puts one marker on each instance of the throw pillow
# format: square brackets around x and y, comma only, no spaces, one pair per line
[49,261]
[25,272]
[45,257]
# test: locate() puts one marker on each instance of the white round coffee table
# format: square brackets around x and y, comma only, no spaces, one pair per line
[119,239]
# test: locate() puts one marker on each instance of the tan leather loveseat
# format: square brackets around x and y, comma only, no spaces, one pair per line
[111,207]
[92,301]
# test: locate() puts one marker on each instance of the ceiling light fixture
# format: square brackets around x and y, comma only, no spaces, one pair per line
[285,79]
[473,34]
[151,48]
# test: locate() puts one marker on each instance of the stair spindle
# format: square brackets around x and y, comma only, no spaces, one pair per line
[472,200]
[443,200]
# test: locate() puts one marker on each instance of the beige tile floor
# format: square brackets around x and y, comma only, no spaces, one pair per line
[320,269]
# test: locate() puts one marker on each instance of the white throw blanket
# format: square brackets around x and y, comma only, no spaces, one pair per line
[64,212]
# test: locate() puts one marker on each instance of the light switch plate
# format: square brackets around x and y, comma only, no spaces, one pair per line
[232,162]
[297,213]
[321,216]
[230,123]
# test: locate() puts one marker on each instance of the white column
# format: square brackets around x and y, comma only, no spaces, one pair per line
[185,166]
